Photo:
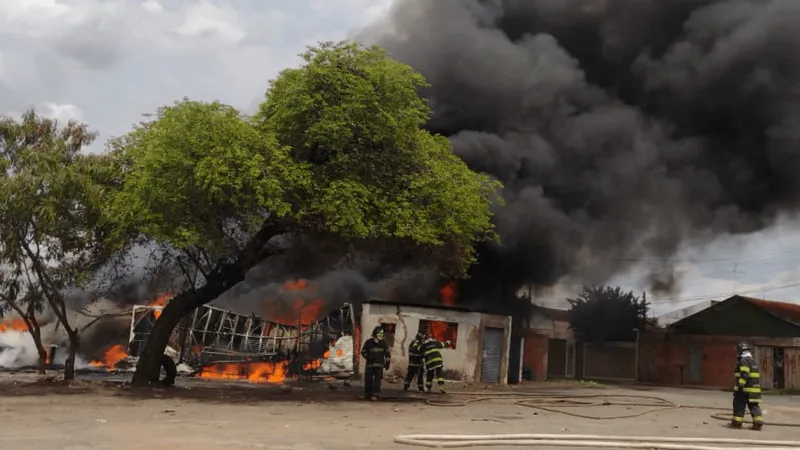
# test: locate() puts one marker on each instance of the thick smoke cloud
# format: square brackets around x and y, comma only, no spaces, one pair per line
[622,129]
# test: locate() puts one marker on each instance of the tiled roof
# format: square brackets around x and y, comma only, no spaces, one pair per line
[789,312]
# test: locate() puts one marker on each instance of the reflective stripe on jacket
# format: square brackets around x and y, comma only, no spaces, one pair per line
[431,355]
[748,380]
[375,353]
[414,354]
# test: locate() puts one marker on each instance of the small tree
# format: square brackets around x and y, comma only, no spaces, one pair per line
[606,314]
[18,295]
[48,222]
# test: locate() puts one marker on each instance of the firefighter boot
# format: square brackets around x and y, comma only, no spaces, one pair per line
[756,426]
[735,425]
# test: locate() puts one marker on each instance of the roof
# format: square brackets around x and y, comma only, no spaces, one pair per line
[559,315]
[789,312]
[671,317]
[377,301]
[786,313]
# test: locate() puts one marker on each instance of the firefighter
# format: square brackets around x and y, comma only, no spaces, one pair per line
[376,355]
[747,391]
[434,364]
[415,368]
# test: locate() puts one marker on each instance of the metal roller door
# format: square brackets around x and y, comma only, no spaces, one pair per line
[492,355]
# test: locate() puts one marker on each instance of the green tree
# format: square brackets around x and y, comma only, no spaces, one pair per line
[606,314]
[19,296]
[50,228]
[337,150]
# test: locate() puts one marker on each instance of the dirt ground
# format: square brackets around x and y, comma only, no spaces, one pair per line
[205,414]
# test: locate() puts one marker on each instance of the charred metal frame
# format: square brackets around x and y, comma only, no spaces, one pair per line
[211,335]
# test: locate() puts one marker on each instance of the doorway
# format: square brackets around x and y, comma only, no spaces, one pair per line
[778,373]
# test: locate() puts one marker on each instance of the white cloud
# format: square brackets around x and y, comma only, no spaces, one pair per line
[118,59]
[61,112]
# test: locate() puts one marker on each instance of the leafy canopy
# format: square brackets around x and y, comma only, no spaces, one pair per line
[606,314]
[337,147]
[354,116]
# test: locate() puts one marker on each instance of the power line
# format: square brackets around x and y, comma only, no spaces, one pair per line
[763,289]
[709,260]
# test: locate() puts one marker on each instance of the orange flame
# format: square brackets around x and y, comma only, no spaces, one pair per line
[301,310]
[258,372]
[441,332]
[448,293]
[112,357]
[318,362]
[339,352]
[161,300]
[13,325]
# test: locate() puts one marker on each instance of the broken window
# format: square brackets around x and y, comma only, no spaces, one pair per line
[440,330]
[388,333]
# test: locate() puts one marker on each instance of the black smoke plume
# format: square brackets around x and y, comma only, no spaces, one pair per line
[622,129]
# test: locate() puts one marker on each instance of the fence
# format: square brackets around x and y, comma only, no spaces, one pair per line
[614,361]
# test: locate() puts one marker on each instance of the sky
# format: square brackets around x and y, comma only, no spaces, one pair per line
[108,62]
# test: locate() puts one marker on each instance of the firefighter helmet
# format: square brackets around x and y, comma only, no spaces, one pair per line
[742,347]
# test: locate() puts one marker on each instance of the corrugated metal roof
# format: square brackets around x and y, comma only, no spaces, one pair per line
[789,312]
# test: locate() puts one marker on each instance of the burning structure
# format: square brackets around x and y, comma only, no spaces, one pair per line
[216,343]
[480,342]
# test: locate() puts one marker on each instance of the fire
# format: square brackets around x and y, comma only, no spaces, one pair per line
[441,331]
[302,310]
[448,293]
[257,372]
[313,365]
[161,300]
[13,325]
[112,357]
[339,352]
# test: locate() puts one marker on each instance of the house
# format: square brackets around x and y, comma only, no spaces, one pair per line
[699,349]
[480,342]
[548,347]
[667,319]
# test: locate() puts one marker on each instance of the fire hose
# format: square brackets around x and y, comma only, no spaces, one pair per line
[549,402]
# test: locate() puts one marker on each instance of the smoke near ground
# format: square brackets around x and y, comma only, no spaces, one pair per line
[622,129]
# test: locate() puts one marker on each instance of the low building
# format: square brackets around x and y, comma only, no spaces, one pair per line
[481,342]
[549,347]
[699,350]
[667,319]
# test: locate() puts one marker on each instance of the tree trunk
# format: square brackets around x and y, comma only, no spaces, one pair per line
[148,368]
[36,334]
[74,344]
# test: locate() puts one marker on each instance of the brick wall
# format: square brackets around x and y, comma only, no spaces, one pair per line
[534,356]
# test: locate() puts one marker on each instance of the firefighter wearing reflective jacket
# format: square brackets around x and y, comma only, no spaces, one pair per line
[747,391]
[415,363]
[376,355]
[434,364]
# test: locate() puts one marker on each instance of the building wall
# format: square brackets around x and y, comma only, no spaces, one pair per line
[666,358]
[554,329]
[534,356]
[462,363]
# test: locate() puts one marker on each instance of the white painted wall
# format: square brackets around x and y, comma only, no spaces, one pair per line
[546,326]
[463,359]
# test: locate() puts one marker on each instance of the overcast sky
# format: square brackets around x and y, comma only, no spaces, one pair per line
[106,62]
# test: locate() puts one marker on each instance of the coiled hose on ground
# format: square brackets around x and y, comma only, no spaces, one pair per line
[549,402]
